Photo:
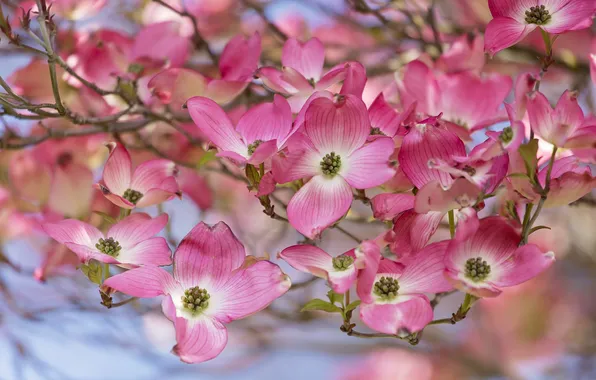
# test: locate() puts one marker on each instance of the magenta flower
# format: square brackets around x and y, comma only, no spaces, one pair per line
[130,242]
[259,134]
[335,155]
[212,285]
[513,20]
[151,183]
[491,259]
[393,300]
[340,271]
[563,126]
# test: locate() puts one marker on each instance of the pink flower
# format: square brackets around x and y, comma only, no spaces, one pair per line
[384,120]
[129,242]
[211,286]
[388,364]
[259,134]
[151,183]
[340,271]
[393,300]
[564,126]
[70,9]
[465,53]
[491,259]
[593,67]
[302,69]
[515,19]
[334,152]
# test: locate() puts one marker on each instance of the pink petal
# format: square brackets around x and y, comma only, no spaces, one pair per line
[368,166]
[72,190]
[165,191]
[196,187]
[593,67]
[412,231]
[433,197]
[319,204]
[264,151]
[467,223]
[199,339]
[355,79]
[296,164]
[240,58]
[176,86]
[527,262]
[368,258]
[383,117]
[215,124]
[503,32]
[424,274]
[510,8]
[224,91]
[340,127]
[574,15]
[266,185]
[410,314]
[136,228]
[388,206]
[342,281]
[267,121]
[117,172]
[308,58]
[480,289]
[146,282]
[296,81]
[309,259]
[86,253]
[250,290]
[333,76]
[569,187]
[73,231]
[154,251]
[159,41]
[423,144]
[420,86]
[540,114]
[114,198]
[276,81]
[208,254]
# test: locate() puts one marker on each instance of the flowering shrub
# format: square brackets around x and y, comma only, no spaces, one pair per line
[431,163]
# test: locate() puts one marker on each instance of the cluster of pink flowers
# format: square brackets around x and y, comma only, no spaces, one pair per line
[440,147]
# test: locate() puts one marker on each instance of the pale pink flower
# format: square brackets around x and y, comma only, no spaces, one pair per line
[393,300]
[57,260]
[302,73]
[515,19]
[491,259]
[563,126]
[389,364]
[212,285]
[465,53]
[259,133]
[151,183]
[237,65]
[130,242]
[384,120]
[333,152]
[570,180]
[70,9]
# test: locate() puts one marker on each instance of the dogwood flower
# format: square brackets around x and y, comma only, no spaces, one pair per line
[212,285]
[515,19]
[151,183]
[335,154]
[491,259]
[130,242]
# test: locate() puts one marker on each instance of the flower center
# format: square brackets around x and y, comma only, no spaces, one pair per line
[330,164]
[109,246]
[538,15]
[386,288]
[132,196]
[506,135]
[342,262]
[470,170]
[252,147]
[376,132]
[195,299]
[477,269]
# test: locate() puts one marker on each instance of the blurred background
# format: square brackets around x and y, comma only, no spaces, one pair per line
[544,329]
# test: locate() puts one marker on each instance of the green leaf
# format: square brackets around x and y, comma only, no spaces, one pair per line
[206,158]
[105,217]
[353,305]
[538,228]
[319,304]
[334,297]
[520,175]
[528,153]
[93,272]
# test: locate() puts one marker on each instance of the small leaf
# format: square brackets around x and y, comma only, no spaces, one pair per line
[353,305]
[334,297]
[105,217]
[93,272]
[528,153]
[207,157]
[538,228]
[319,304]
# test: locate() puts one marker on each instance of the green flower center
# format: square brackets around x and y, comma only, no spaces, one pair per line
[330,164]
[386,288]
[506,135]
[470,170]
[477,269]
[109,246]
[195,299]
[538,15]
[342,262]
[376,132]
[132,196]
[252,147]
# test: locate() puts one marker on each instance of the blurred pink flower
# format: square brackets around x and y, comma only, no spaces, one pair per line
[389,364]
[212,285]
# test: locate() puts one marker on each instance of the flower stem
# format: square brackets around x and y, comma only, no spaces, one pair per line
[451,223]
